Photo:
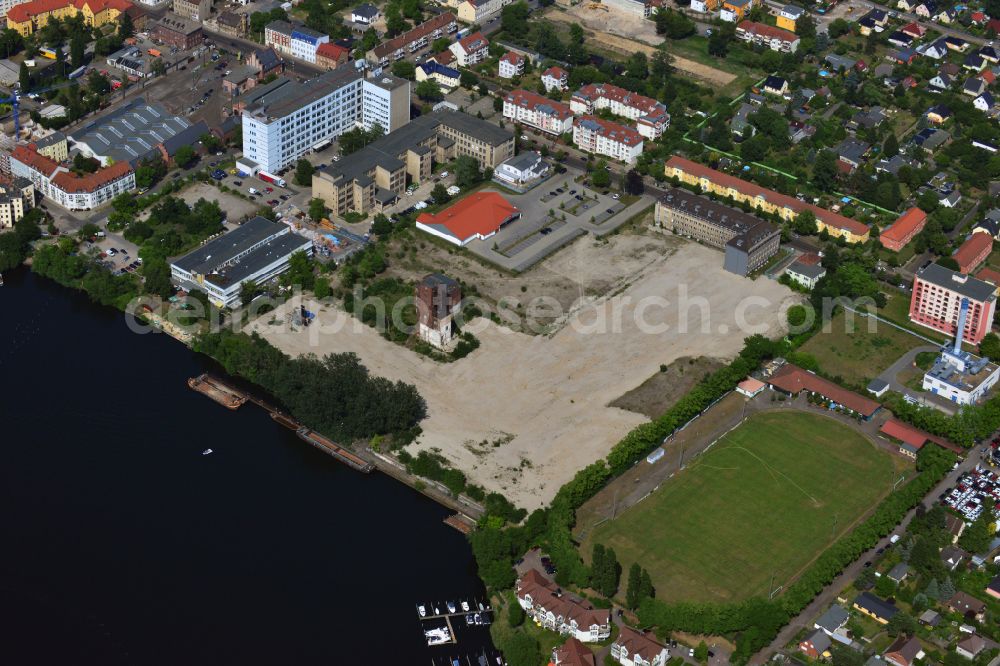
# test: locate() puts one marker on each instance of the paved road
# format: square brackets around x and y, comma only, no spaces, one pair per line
[809,615]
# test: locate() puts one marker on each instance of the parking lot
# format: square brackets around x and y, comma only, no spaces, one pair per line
[976,491]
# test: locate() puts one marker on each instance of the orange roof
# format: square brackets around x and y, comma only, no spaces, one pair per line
[989,275]
[331,51]
[793,379]
[479,214]
[753,190]
[768,31]
[68,181]
[97,6]
[972,252]
[751,385]
[29,156]
[28,10]
[905,225]
[512,58]
[914,436]
[809,259]
[531,101]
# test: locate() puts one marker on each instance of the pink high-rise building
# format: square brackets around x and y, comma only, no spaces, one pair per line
[937,298]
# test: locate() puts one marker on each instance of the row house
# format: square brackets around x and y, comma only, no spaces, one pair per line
[637,648]
[561,612]
[603,137]
[412,40]
[528,108]
[651,117]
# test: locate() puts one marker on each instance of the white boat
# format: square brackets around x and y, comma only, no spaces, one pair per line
[206,452]
[451,606]
[437,636]
[422,611]
[465,606]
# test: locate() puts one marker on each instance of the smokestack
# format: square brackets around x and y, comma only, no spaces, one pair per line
[963,312]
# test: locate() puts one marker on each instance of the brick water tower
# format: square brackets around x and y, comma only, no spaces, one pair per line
[438,298]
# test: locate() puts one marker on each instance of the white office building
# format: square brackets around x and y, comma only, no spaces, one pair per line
[284,119]
[257,250]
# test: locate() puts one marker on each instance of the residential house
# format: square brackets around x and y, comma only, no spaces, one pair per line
[936,50]
[956,44]
[954,525]
[775,85]
[839,63]
[233,24]
[511,65]
[413,40]
[904,651]
[879,610]
[975,62]
[984,102]
[806,275]
[573,653]
[555,78]
[993,588]
[740,124]
[524,168]
[868,119]
[478,12]
[952,556]
[852,152]
[901,39]
[930,618]
[990,54]
[971,647]
[559,611]
[914,30]
[945,16]
[651,116]
[603,137]
[895,163]
[974,86]
[637,648]
[332,56]
[447,78]
[925,8]
[471,49]
[898,573]
[993,27]
[816,645]
[776,39]
[735,11]
[266,61]
[930,139]
[941,81]
[365,14]
[833,623]
[903,230]
[788,17]
[938,114]
[903,56]
[973,252]
[967,606]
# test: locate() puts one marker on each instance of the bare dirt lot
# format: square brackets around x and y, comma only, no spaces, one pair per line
[587,268]
[522,414]
[236,208]
[658,393]
[626,34]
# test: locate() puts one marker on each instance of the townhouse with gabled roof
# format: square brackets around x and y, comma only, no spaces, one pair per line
[559,611]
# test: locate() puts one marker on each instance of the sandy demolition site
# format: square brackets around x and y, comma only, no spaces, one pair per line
[523,413]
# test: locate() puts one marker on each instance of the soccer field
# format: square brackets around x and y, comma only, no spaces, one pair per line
[764,500]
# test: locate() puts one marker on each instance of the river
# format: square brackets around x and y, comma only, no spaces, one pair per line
[123,544]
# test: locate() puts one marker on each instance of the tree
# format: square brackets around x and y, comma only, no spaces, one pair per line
[514,18]
[976,538]
[948,262]
[317,209]
[321,289]
[718,43]
[428,90]
[755,148]
[248,291]
[404,69]
[381,226]
[304,171]
[156,274]
[76,49]
[521,650]
[24,78]
[466,171]
[440,194]
[126,28]
[632,591]
[901,623]
[990,347]
[825,171]
[805,222]
[701,652]
[468,80]
[805,27]
[633,182]
[515,615]
[838,28]
[184,156]
[600,177]
[891,146]
[440,44]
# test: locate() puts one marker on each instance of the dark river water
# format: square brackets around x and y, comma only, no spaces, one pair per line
[122,544]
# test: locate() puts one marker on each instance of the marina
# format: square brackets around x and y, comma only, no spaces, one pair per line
[480,659]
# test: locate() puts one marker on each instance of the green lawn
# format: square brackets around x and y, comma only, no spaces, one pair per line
[859,356]
[764,500]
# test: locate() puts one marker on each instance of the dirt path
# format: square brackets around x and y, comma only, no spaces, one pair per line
[522,413]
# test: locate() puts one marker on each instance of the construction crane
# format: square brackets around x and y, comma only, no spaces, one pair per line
[15,101]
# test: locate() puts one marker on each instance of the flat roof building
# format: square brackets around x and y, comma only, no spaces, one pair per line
[937,297]
[258,250]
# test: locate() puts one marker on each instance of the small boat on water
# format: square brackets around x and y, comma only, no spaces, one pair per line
[451,606]
[207,452]
[437,636]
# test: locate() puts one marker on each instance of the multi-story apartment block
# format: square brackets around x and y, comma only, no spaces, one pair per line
[903,230]
[447,78]
[760,198]
[197,10]
[774,38]
[67,189]
[603,137]
[232,24]
[332,56]
[27,17]
[937,299]
[412,40]
[15,199]
[376,175]
[561,611]
[284,119]
[305,41]
[788,17]
[636,648]
[178,31]
[257,251]
[747,240]
[54,146]
[385,101]
[651,117]
[528,108]
[511,65]
[278,35]
[471,49]
[555,78]
[480,11]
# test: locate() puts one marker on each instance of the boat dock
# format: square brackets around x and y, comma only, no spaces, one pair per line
[433,611]
[340,453]
[460,522]
[218,391]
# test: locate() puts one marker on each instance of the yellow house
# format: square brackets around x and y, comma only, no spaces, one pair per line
[31,16]
[788,16]
[53,146]
[759,198]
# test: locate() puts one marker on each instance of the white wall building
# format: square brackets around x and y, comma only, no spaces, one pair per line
[511,65]
[528,108]
[555,78]
[523,168]
[471,50]
[304,43]
[285,119]
[603,137]
[634,7]
[62,186]
[651,116]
